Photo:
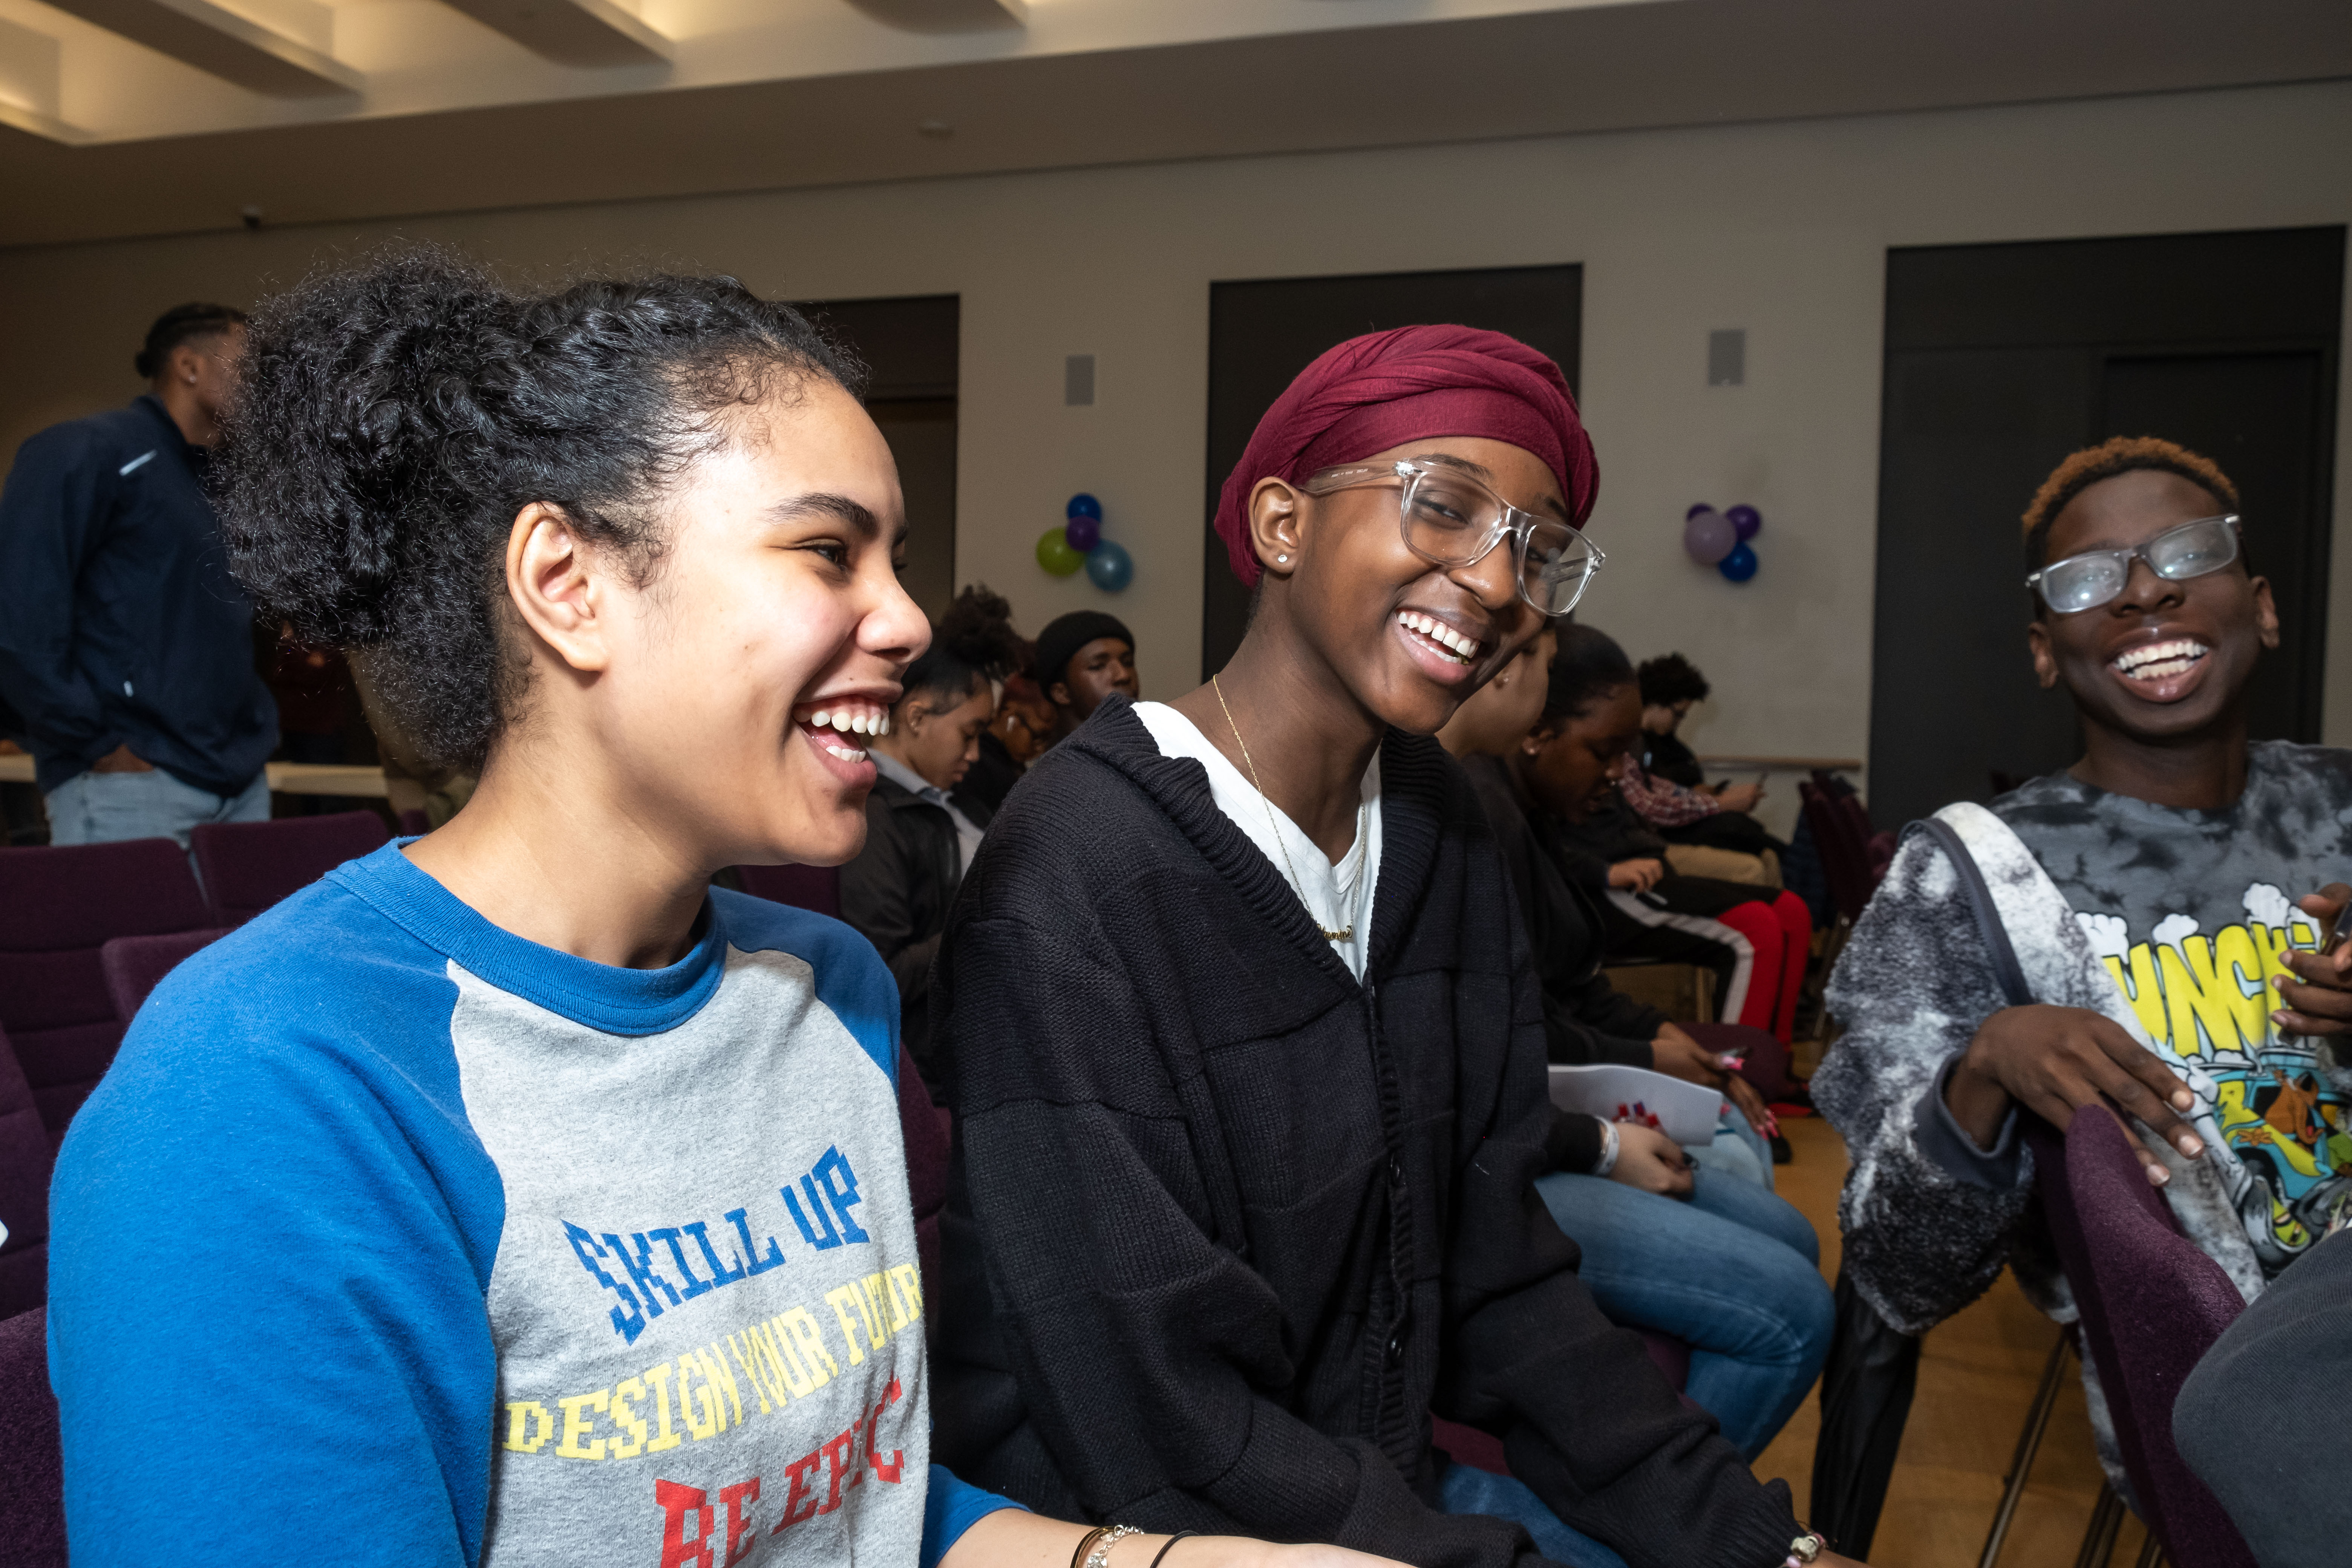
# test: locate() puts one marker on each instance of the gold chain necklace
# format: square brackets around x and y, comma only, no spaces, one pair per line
[1347,932]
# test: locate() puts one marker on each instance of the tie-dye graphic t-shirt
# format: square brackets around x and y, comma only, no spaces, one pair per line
[2190,911]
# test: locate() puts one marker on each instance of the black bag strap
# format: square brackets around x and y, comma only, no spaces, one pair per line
[2005,966]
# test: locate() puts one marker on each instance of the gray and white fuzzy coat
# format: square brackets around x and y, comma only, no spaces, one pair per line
[1914,985]
[1913,988]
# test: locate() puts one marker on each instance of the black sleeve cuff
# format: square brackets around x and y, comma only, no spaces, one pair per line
[1626,1053]
[1574,1144]
[1948,1144]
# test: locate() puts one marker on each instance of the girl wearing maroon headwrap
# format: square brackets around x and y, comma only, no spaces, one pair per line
[1247,1053]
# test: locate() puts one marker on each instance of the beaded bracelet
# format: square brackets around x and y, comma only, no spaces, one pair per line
[1109,1538]
[1804,1550]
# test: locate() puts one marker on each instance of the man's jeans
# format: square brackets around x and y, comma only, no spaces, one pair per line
[102,808]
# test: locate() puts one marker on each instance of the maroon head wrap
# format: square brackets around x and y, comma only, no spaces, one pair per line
[1385,389]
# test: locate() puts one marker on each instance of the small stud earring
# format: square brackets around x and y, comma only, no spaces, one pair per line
[1282,558]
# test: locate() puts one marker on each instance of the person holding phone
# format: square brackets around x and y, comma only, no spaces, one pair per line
[2168,896]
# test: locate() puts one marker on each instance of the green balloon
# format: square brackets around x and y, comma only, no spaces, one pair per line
[1055,554]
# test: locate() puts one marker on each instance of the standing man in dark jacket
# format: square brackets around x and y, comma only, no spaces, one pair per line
[123,642]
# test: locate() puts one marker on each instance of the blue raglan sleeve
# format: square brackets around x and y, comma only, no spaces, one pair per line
[950,1508]
[272,1232]
[51,511]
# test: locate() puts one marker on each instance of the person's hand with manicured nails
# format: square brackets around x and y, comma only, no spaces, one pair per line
[1677,1055]
[1649,1160]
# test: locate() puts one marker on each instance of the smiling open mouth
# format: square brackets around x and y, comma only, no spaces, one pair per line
[2160,661]
[827,724]
[1443,639]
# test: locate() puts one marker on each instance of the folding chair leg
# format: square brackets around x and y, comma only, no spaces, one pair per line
[2151,1552]
[2106,1523]
[2029,1444]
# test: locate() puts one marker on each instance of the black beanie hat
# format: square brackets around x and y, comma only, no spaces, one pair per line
[1061,639]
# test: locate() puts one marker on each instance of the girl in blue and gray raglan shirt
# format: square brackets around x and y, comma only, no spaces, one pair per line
[509,1196]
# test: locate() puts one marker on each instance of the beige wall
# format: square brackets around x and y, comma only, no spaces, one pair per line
[1780,230]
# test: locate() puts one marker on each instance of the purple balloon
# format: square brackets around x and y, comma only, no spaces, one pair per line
[1745,520]
[1708,536]
[1084,532]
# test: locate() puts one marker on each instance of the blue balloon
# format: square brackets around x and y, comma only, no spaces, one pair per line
[1084,505]
[1084,532]
[1110,566]
[1740,565]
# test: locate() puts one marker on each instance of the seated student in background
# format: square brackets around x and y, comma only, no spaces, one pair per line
[1671,687]
[2162,896]
[510,1197]
[1731,1270]
[1710,829]
[2289,1351]
[1083,658]
[1247,1051]
[1586,1019]
[1755,941]
[920,828]
[1017,734]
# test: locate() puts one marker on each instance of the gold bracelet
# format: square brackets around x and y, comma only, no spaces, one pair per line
[1110,1537]
[1085,1545]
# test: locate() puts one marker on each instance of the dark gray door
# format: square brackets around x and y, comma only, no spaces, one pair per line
[1262,334]
[910,348]
[2002,359]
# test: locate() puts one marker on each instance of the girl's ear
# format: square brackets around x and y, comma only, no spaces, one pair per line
[1276,531]
[1545,733]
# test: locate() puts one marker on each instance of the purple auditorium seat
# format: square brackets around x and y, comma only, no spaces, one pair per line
[414,824]
[134,965]
[58,908]
[249,866]
[814,887]
[2151,1305]
[32,1469]
[24,1156]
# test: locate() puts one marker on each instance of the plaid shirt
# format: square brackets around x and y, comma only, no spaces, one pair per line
[1664,803]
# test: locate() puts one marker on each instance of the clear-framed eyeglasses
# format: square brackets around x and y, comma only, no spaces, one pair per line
[1451,519]
[2096,577]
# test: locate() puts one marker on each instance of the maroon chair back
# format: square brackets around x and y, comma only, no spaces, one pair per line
[32,1467]
[1844,861]
[814,887]
[414,824]
[926,1127]
[134,965]
[249,866]
[58,906]
[2151,1306]
[26,1154]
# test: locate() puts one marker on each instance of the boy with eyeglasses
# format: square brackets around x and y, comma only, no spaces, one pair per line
[2166,898]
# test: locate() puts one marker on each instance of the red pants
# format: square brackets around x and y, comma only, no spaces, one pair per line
[1781,933]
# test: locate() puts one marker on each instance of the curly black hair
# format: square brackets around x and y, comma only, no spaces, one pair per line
[393,417]
[1588,666]
[973,642]
[181,324]
[1670,678]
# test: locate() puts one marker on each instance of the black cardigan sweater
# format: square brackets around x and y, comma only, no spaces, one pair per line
[1586,1019]
[1225,1226]
[896,894]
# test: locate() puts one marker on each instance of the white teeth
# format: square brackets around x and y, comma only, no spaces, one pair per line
[846,753]
[846,722]
[1457,647]
[820,719]
[2160,661]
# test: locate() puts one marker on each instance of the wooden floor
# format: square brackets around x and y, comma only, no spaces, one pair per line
[1977,1375]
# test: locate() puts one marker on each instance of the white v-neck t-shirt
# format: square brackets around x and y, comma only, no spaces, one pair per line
[1338,897]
